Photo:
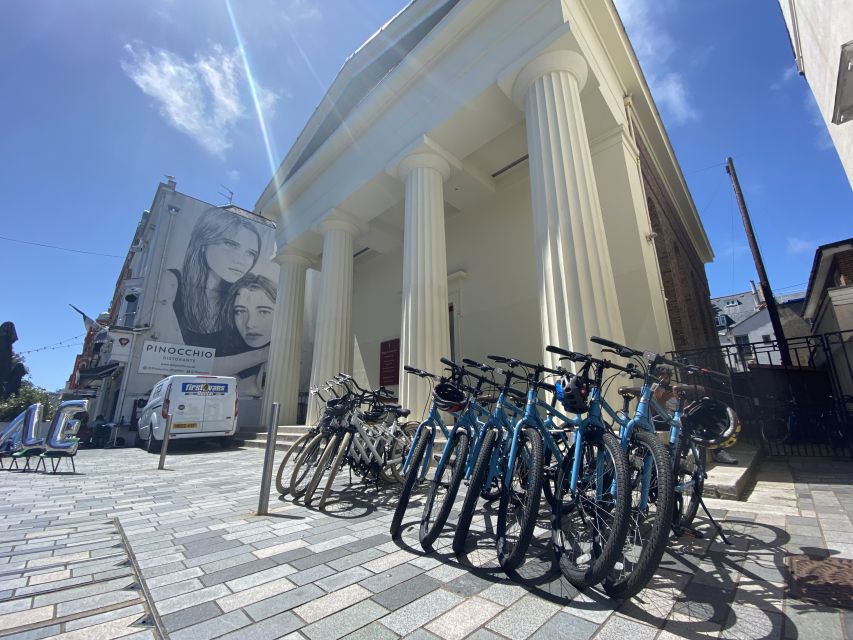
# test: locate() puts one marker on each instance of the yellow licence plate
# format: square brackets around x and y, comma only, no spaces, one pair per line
[185,425]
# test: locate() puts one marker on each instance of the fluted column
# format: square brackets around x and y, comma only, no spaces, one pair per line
[425,331]
[283,365]
[333,334]
[576,289]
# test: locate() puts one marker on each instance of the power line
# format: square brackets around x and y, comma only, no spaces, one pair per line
[64,346]
[51,246]
[54,344]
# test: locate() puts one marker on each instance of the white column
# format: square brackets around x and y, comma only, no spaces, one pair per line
[425,331]
[333,333]
[576,289]
[283,365]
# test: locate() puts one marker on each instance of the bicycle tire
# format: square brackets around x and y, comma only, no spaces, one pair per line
[409,483]
[475,488]
[629,577]
[455,466]
[292,454]
[598,536]
[683,514]
[322,467]
[399,448]
[335,468]
[309,457]
[775,431]
[528,470]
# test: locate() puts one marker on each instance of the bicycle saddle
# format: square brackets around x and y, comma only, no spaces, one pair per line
[630,392]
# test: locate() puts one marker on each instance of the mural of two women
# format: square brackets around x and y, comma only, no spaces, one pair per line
[218,299]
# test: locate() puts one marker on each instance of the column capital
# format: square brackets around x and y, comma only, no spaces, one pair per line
[563,60]
[294,257]
[423,153]
[337,220]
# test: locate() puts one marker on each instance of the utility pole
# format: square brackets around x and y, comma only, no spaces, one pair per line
[763,281]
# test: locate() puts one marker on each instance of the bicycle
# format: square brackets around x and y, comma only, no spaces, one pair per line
[593,478]
[447,395]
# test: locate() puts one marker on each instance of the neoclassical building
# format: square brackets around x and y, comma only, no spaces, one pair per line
[483,176]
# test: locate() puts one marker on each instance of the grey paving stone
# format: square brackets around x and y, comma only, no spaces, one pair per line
[311,575]
[213,628]
[319,558]
[406,592]
[387,579]
[523,618]
[344,622]
[563,626]
[36,634]
[373,631]
[356,559]
[274,627]
[237,571]
[284,602]
[115,614]
[468,584]
[619,628]
[343,579]
[208,547]
[368,543]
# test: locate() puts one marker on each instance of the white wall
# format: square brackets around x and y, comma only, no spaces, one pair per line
[823,28]
[498,298]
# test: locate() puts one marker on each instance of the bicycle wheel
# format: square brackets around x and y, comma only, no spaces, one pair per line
[399,448]
[305,463]
[322,467]
[589,523]
[290,456]
[443,490]
[475,488]
[775,431]
[411,478]
[688,489]
[649,519]
[519,503]
[337,463]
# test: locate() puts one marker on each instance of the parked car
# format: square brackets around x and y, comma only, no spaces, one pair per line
[201,407]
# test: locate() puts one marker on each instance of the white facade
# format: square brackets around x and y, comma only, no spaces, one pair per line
[818,31]
[483,154]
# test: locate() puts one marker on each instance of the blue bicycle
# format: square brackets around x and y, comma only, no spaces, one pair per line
[591,501]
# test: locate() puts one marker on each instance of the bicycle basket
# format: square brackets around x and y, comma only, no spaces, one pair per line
[573,391]
[336,407]
[709,422]
[449,397]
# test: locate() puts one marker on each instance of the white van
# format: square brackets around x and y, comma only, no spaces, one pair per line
[201,407]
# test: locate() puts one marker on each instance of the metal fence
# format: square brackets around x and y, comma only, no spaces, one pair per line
[809,398]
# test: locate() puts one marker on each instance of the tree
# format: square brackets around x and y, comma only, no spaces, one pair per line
[28,394]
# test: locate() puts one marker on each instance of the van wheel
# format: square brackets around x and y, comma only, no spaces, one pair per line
[151,445]
[137,441]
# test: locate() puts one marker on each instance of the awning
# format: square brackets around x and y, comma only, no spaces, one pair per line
[98,372]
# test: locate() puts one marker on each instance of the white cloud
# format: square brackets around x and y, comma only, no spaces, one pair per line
[735,250]
[789,73]
[233,175]
[203,98]
[302,11]
[654,47]
[798,245]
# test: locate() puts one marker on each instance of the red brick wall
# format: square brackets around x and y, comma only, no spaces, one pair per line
[684,280]
[844,268]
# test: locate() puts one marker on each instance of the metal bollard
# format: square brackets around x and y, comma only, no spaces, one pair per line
[165,447]
[269,458]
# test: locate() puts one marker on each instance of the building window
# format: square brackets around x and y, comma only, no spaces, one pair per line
[130,310]
[765,338]
[732,303]
[720,321]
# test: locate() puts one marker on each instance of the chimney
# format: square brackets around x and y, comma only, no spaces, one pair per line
[170,182]
[756,295]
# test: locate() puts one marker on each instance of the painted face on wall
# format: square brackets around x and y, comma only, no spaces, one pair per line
[232,258]
[253,310]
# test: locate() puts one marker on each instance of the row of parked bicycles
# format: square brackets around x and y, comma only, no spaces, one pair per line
[614,489]
[358,428]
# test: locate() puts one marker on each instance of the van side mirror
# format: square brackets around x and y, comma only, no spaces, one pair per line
[141,402]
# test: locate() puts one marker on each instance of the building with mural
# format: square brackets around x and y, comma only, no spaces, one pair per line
[196,295]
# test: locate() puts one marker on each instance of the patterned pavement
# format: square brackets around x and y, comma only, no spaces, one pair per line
[122,550]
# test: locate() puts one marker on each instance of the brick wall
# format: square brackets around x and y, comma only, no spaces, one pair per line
[844,268]
[684,280]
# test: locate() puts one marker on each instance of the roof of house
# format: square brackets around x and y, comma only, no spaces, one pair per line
[819,273]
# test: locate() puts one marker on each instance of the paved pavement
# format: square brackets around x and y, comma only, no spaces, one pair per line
[120,546]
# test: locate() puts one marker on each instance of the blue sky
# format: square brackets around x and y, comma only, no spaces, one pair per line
[102,99]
